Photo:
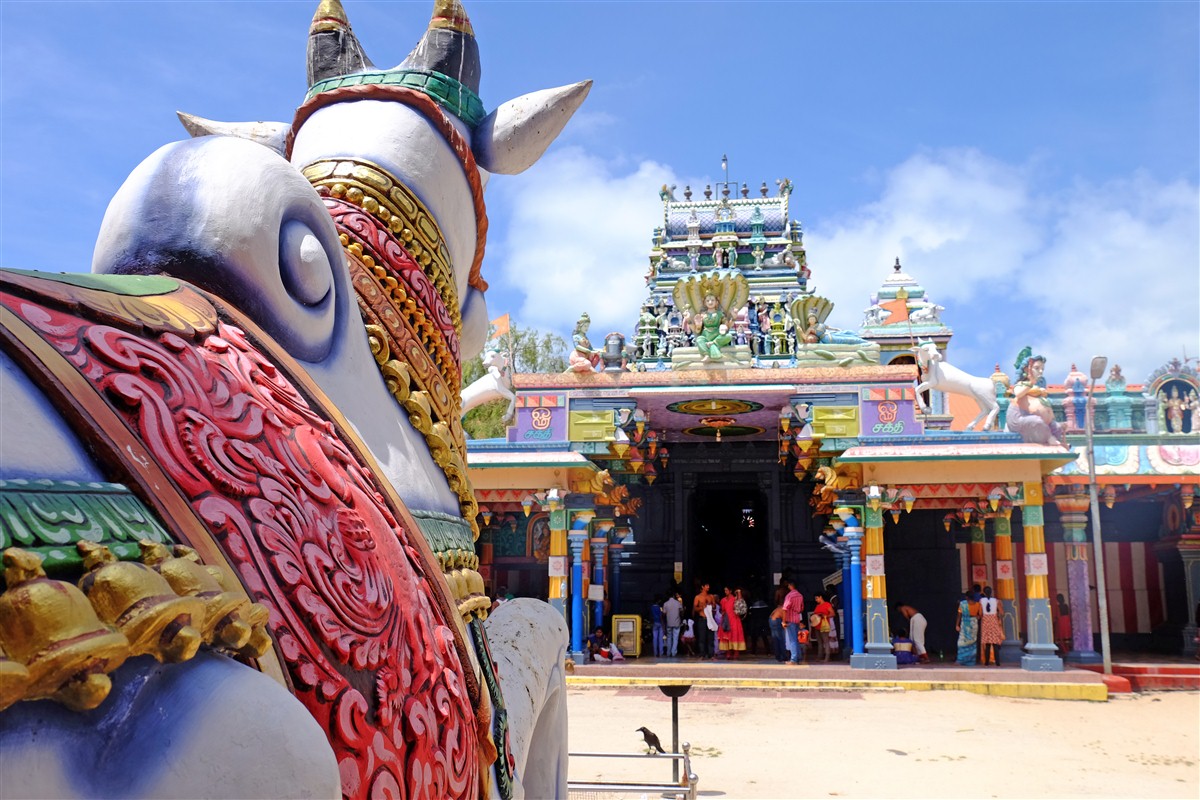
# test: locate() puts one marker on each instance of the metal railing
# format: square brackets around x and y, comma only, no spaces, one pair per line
[685,789]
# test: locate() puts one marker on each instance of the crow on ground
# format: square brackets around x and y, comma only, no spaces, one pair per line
[651,739]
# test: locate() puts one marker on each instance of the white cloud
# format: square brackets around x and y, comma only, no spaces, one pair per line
[579,240]
[1111,268]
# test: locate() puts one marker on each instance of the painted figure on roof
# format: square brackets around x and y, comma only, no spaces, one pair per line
[1030,413]
[713,327]
[583,357]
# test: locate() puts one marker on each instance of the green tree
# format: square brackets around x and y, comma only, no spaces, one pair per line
[531,351]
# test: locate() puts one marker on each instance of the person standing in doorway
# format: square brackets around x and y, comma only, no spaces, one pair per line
[991,630]
[704,638]
[819,625]
[1062,624]
[793,616]
[778,641]
[731,636]
[673,617]
[967,625]
[657,639]
[916,630]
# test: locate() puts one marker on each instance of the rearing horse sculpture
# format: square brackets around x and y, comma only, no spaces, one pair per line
[265,372]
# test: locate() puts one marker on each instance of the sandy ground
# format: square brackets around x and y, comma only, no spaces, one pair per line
[897,744]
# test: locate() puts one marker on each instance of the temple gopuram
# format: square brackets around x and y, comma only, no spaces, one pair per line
[735,436]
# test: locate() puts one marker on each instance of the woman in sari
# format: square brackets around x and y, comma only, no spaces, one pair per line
[967,626]
[731,637]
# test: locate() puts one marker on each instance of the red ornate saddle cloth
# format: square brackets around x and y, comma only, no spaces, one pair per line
[243,458]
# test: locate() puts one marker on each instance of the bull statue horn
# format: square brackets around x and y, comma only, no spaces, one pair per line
[333,49]
[448,46]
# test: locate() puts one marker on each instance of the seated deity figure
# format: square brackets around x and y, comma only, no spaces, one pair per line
[712,329]
[1030,413]
[584,357]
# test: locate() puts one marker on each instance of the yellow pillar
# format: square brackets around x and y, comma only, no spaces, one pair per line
[558,567]
[1006,587]
[879,642]
[1040,650]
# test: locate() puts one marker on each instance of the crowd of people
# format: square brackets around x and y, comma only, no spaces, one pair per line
[726,627]
[794,629]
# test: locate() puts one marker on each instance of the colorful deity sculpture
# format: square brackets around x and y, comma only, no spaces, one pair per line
[712,326]
[1030,413]
[583,357]
[716,294]
[265,371]
[1175,408]
[647,333]
[1118,404]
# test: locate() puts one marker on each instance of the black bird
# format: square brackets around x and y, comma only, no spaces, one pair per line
[651,739]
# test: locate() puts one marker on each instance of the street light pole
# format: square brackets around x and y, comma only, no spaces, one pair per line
[1097,371]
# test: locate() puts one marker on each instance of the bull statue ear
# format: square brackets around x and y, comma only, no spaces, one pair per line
[515,135]
[272,135]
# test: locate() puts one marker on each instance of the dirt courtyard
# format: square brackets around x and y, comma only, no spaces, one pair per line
[898,744]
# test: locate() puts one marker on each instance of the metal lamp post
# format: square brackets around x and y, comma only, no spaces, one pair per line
[1098,365]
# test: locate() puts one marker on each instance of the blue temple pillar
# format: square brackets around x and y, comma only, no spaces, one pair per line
[577,538]
[596,592]
[855,638]
[843,560]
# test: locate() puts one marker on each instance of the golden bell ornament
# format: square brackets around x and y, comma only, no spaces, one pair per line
[51,629]
[140,603]
[255,615]
[14,679]
[223,623]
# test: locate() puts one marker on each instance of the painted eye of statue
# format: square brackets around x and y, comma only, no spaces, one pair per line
[304,265]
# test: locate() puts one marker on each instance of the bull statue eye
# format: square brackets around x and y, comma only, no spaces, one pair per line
[304,266]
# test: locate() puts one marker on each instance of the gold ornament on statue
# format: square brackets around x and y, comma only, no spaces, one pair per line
[224,624]
[254,614]
[140,603]
[49,627]
[14,679]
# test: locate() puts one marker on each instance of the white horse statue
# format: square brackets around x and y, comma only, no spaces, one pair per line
[265,372]
[495,385]
[945,377]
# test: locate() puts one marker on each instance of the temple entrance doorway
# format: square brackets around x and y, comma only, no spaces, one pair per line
[728,535]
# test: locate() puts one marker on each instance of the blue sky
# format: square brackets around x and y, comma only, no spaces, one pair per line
[1034,165]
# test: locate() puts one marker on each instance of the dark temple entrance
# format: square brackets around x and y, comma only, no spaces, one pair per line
[729,536]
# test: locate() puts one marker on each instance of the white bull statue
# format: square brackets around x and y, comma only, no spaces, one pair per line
[942,376]
[239,529]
